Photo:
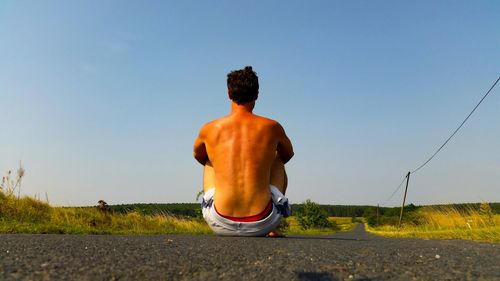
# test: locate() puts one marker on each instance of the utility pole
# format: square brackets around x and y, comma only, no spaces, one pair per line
[404,199]
[377,213]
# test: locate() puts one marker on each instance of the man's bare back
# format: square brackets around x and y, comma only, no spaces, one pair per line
[242,148]
[243,155]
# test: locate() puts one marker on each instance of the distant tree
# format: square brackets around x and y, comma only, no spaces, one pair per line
[411,207]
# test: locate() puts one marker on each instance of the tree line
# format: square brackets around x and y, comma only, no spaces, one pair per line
[194,210]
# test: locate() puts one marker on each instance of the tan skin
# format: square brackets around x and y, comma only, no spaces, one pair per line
[243,153]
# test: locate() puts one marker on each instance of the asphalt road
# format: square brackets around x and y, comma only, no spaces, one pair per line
[356,255]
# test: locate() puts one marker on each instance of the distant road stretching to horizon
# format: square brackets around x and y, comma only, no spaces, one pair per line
[355,255]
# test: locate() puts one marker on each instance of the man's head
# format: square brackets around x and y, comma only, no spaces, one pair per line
[243,85]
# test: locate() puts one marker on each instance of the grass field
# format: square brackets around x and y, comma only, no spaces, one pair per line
[29,215]
[447,223]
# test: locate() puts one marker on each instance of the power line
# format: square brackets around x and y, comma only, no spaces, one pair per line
[441,147]
[390,197]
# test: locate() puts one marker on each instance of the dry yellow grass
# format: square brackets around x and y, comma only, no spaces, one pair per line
[28,215]
[448,223]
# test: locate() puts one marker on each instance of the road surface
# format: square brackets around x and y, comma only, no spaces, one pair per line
[355,255]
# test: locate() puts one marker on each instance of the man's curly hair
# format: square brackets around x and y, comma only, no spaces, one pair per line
[243,85]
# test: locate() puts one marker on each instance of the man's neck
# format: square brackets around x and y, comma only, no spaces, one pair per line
[242,108]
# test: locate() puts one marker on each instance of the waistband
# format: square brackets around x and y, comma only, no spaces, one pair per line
[265,213]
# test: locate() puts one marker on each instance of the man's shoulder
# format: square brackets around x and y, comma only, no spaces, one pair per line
[210,126]
[274,126]
[228,121]
[214,123]
[268,121]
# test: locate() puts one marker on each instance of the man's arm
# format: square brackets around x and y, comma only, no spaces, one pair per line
[200,150]
[284,149]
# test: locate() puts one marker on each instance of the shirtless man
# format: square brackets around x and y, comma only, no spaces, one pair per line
[243,155]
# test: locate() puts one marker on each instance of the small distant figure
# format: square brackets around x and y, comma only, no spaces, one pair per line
[103,206]
[243,155]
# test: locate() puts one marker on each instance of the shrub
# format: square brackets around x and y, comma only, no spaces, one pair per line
[284,225]
[485,210]
[313,216]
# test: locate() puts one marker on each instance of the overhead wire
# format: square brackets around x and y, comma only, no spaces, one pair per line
[463,122]
[395,191]
[443,145]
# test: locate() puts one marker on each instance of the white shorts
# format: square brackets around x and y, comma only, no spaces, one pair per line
[223,226]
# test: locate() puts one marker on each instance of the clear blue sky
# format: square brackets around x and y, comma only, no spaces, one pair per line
[103,99]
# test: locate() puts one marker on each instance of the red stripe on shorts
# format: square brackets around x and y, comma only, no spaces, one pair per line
[267,211]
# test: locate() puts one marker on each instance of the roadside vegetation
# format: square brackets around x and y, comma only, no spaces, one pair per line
[31,215]
[28,215]
[471,222]
[291,225]
[477,221]
[314,220]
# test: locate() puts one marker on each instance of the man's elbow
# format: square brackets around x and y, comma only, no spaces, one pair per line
[287,157]
[202,159]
